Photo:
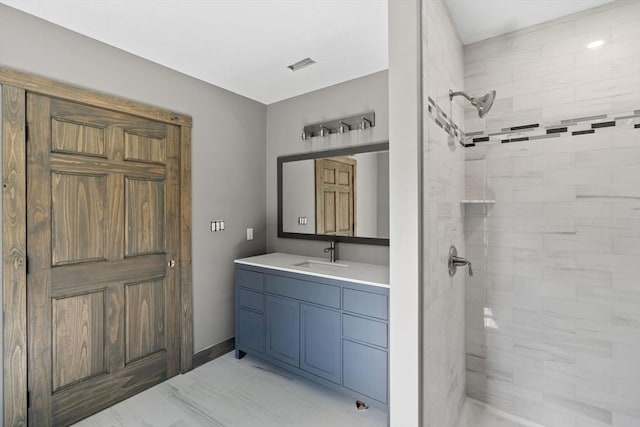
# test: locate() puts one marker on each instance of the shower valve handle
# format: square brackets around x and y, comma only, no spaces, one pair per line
[461,262]
[455,261]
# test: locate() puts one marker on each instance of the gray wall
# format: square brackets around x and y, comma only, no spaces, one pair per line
[299,196]
[366,195]
[228,147]
[285,120]
[383,194]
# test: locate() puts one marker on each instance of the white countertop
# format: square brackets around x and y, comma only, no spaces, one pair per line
[357,272]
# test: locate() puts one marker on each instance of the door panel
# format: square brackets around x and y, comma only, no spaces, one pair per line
[103,221]
[77,138]
[144,308]
[145,148]
[144,215]
[344,225]
[78,338]
[78,217]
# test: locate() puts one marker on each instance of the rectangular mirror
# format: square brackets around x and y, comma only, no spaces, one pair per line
[340,195]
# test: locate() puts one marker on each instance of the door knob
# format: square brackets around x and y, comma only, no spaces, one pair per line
[455,261]
[171,263]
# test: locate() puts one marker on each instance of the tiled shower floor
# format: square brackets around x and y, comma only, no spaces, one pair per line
[477,414]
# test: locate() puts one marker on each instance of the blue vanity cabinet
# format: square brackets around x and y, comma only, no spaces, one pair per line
[365,370]
[365,333]
[333,332]
[320,342]
[283,329]
[250,324]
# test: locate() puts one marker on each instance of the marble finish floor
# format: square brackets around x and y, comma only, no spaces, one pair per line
[477,414]
[243,393]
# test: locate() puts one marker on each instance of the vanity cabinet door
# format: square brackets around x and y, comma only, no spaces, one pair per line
[283,329]
[320,342]
[250,330]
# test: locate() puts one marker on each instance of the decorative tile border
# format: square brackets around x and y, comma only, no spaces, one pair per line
[441,119]
[533,131]
[575,127]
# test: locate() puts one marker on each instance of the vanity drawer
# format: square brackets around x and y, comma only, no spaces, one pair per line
[366,303]
[313,292]
[365,330]
[365,370]
[250,279]
[250,299]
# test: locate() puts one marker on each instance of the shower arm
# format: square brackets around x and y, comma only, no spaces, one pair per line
[452,94]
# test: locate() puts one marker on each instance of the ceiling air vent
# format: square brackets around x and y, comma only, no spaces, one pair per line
[301,64]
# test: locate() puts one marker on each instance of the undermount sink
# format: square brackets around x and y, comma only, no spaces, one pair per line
[319,264]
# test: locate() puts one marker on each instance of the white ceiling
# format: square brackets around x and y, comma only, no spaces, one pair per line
[481,19]
[241,45]
[245,45]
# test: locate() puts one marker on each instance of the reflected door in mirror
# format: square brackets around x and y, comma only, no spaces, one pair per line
[335,196]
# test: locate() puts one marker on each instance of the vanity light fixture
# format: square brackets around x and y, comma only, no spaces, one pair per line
[595,44]
[341,126]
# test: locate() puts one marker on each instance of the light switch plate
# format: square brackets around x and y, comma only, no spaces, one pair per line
[217,225]
[249,233]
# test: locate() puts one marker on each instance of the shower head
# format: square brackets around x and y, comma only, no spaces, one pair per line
[482,103]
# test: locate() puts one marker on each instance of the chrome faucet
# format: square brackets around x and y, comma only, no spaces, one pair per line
[333,251]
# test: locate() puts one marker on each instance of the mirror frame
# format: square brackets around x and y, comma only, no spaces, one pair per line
[380,146]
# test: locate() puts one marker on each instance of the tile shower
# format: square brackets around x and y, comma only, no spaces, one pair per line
[553,311]
[443,187]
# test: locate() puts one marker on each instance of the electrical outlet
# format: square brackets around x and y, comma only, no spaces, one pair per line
[249,233]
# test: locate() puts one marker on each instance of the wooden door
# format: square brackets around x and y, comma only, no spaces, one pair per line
[335,196]
[102,229]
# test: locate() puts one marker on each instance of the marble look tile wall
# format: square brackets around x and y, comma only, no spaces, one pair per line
[553,311]
[443,187]
[546,73]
